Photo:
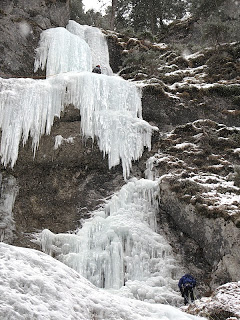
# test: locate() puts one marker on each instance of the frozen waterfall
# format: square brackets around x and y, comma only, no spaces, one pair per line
[119,249]
[110,107]
[96,41]
[61,51]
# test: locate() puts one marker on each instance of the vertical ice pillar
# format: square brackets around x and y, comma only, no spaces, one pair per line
[62,51]
[8,193]
[97,43]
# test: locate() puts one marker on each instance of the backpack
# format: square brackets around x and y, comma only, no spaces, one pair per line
[189,281]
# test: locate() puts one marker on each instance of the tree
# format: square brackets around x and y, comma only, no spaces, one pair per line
[76,11]
[150,15]
[113,13]
[205,8]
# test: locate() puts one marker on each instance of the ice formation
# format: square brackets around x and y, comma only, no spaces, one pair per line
[110,110]
[8,193]
[110,107]
[97,43]
[61,51]
[119,247]
[35,286]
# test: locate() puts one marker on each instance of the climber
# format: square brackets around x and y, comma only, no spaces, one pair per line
[186,285]
[97,69]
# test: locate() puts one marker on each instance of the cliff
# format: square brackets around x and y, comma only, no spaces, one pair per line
[194,100]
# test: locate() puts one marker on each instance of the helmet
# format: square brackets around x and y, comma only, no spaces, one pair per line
[98,66]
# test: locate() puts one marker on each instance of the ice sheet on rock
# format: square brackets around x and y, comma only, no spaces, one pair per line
[61,51]
[36,286]
[8,193]
[110,109]
[119,247]
[97,43]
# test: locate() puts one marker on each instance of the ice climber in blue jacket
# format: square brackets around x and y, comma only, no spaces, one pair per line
[186,285]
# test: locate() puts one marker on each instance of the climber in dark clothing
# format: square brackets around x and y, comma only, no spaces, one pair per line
[186,285]
[97,69]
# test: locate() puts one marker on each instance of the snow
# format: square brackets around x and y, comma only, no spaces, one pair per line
[225,297]
[119,247]
[185,145]
[36,286]
[59,140]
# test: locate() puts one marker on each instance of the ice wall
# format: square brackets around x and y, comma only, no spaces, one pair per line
[110,110]
[97,43]
[61,51]
[8,193]
[118,247]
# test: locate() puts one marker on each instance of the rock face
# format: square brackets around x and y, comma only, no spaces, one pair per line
[200,194]
[22,21]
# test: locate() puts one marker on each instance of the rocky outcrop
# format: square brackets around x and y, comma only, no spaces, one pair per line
[222,305]
[200,194]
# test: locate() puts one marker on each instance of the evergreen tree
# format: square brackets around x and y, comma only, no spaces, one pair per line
[205,8]
[149,14]
[76,11]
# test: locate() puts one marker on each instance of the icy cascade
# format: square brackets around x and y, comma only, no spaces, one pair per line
[119,247]
[97,43]
[110,110]
[8,193]
[61,51]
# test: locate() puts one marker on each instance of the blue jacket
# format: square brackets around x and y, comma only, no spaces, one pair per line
[187,279]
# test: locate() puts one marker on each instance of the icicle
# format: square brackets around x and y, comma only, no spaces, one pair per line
[109,108]
[97,43]
[27,108]
[61,51]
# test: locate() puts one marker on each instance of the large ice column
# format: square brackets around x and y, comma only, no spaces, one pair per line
[62,51]
[97,43]
[8,193]
[119,248]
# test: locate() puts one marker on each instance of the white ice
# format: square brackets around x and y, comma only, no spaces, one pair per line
[110,110]
[61,51]
[110,107]
[8,193]
[36,286]
[97,43]
[118,248]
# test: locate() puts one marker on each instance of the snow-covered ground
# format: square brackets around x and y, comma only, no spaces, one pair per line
[225,299]
[34,286]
